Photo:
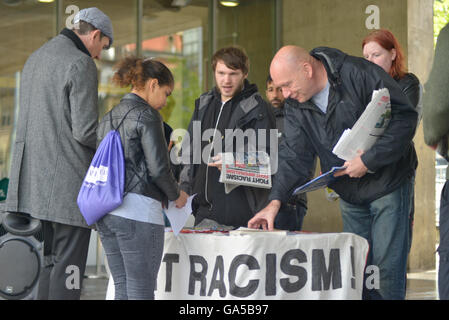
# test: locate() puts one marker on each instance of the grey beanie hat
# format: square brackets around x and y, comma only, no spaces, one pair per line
[98,19]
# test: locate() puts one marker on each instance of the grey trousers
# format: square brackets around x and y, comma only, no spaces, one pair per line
[65,256]
[134,251]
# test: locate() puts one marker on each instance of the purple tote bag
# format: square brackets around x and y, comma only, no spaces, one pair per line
[103,186]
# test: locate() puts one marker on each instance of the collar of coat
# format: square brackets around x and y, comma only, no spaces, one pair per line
[134,97]
[245,98]
[76,40]
[277,111]
[332,60]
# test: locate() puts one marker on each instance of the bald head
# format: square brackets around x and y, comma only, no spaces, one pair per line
[297,73]
[290,56]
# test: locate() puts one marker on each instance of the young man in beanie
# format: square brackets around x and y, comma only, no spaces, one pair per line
[55,143]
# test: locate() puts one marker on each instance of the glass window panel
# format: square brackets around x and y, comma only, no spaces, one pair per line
[174,35]
[25,26]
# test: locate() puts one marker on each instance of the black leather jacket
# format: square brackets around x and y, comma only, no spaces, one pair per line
[147,161]
[409,84]
[310,133]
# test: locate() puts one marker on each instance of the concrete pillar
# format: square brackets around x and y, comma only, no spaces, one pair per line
[420,56]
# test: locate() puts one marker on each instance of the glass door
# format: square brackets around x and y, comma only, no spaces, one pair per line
[174,33]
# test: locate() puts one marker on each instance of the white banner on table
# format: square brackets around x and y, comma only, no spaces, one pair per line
[262,266]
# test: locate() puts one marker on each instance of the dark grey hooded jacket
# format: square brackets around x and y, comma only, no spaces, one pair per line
[240,205]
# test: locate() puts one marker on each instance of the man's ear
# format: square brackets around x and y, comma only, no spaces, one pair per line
[95,33]
[307,69]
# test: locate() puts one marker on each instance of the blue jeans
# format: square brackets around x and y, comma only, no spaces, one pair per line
[290,217]
[134,252]
[385,224]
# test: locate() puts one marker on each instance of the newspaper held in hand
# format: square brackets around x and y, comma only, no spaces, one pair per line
[368,128]
[246,168]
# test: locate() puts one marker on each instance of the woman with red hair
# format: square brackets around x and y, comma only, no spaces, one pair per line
[382,48]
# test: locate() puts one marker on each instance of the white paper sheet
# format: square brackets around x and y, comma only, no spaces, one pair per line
[178,217]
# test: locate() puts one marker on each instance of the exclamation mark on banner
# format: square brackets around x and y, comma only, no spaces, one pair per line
[353,268]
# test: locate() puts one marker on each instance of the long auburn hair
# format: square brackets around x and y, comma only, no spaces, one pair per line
[388,41]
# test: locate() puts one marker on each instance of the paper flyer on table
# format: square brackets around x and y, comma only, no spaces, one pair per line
[178,217]
[368,128]
[319,182]
[248,231]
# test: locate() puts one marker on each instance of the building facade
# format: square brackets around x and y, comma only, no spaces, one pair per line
[186,33]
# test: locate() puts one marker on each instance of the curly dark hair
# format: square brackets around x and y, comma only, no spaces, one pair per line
[137,71]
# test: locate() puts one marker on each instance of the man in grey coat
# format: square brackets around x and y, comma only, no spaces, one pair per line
[55,143]
[436,135]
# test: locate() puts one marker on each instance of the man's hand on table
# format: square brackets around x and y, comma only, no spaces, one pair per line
[265,217]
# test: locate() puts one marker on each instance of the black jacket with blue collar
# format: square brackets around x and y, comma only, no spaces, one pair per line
[249,111]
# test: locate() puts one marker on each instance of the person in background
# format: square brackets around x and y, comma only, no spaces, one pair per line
[55,143]
[382,48]
[291,214]
[176,168]
[326,91]
[133,234]
[436,133]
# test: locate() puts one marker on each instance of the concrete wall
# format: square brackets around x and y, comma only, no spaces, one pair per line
[339,23]
[251,26]
[343,24]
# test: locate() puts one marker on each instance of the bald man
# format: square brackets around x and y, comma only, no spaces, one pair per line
[326,91]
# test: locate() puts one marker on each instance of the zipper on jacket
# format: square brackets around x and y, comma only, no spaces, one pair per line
[210,153]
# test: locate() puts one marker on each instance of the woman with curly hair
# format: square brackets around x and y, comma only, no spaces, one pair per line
[133,234]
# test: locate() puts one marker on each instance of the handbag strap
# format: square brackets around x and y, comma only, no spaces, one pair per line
[121,121]
[131,167]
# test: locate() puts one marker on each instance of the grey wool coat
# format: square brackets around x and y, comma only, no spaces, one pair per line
[436,99]
[56,132]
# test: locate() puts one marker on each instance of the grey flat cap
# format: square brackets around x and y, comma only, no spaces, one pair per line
[98,19]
